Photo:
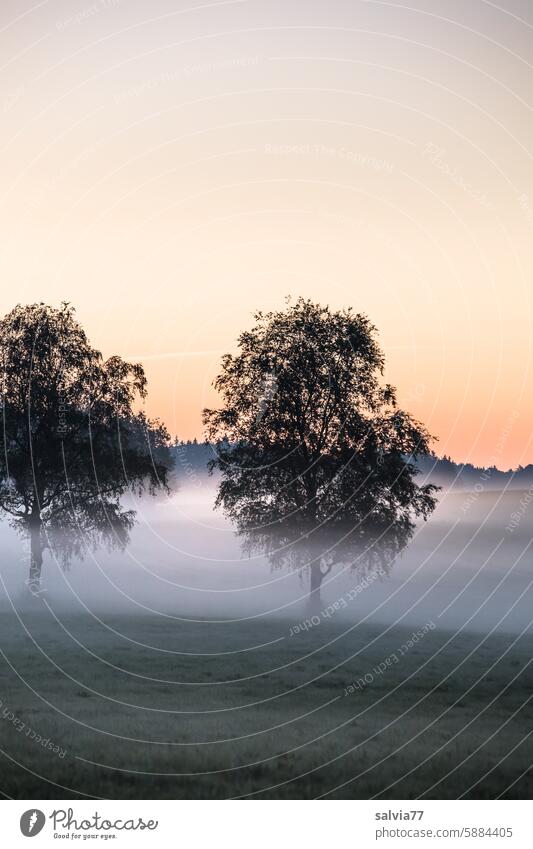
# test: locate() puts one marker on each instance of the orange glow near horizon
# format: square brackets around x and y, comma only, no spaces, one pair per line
[172,172]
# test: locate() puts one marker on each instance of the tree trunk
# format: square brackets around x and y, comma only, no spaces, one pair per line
[315,602]
[36,556]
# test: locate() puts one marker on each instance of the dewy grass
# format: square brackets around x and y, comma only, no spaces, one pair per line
[143,723]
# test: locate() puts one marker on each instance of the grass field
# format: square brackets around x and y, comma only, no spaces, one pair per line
[145,707]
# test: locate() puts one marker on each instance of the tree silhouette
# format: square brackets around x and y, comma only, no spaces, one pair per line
[72,443]
[317,462]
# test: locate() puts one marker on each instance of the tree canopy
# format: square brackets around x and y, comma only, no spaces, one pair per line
[312,446]
[72,439]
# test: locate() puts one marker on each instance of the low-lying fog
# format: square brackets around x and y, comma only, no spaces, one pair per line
[470,565]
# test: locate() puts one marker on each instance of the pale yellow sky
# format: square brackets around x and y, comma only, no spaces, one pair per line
[171,167]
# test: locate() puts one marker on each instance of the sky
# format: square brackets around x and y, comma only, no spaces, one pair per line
[171,167]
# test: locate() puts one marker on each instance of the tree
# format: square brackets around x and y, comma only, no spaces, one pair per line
[72,443]
[317,462]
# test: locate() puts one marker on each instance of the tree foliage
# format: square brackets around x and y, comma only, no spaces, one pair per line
[73,442]
[313,450]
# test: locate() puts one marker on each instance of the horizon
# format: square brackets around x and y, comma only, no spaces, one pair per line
[177,441]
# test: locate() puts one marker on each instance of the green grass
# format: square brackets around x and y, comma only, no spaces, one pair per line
[258,722]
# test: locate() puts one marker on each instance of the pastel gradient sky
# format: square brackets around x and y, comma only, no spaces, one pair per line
[170,167]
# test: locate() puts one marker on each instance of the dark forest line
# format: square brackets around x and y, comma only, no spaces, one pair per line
[191,458]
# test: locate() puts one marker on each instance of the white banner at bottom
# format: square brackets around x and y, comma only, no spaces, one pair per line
[264,824]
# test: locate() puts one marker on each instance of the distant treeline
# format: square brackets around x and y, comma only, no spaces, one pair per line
[444,472]
[192,458]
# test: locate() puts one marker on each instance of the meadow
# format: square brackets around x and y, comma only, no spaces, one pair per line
[154,707]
